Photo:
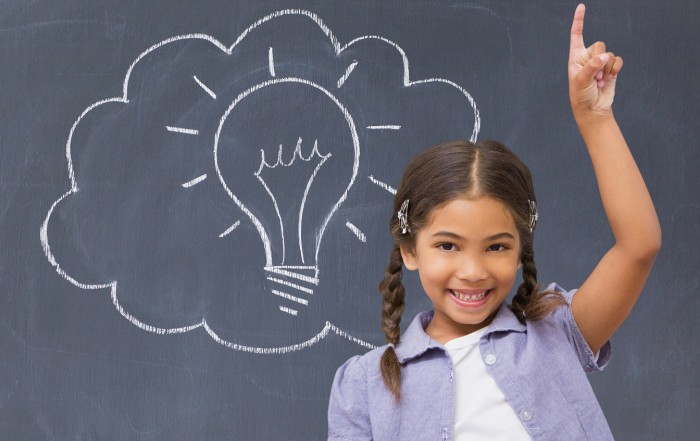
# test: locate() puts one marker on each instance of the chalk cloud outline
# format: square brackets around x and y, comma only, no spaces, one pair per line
[124,99]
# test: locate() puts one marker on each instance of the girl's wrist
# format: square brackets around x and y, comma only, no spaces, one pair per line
[592,118]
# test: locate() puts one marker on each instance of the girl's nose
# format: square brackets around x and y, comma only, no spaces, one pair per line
[472,270]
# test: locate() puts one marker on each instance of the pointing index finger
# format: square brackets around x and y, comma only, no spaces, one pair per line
[577,29]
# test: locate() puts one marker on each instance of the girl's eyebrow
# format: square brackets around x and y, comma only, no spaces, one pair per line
[503,235]
[452,235]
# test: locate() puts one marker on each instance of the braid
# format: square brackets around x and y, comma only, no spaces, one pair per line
[529,301]
[392,291]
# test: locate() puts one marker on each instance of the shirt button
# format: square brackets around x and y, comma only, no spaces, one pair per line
[525,415]
[490,359]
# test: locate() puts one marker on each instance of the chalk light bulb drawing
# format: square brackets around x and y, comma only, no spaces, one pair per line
[291,252]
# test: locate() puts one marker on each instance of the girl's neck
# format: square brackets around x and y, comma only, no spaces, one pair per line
[442,329]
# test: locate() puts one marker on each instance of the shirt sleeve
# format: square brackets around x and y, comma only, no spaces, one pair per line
[589,361]
[348,412]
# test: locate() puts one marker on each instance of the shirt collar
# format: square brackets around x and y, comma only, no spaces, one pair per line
[415,342]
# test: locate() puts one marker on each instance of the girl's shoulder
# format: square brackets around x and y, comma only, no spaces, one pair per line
[362,366]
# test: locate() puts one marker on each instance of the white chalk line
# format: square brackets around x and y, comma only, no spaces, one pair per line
[274,203]
[228,50]
[288,310]
[344,334]
[145,326]
[360,235]
[194,181]
[327,328]
[291,285]
[385,186]
[306,192]
[271,62]
[290,297]
[203,86]
[229,229]
[301,267]
[347,73]
[293,275]
[182,130]
[389,127]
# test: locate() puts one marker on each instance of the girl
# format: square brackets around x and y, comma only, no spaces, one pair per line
[475,367]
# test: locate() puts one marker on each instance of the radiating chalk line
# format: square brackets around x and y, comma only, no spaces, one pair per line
[347,73]
[182,130]
[390,127]
[288,310]
[290,297]
[360,235]
[271,62]
[194,181]
[385,186]
[124,99]
[229,229]
[203,86]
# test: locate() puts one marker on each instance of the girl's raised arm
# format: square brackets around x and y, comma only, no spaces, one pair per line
[607,296]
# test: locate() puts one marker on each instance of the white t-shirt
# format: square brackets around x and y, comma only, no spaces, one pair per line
[481,409]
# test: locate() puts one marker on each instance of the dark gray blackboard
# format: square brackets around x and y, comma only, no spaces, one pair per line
[131,131]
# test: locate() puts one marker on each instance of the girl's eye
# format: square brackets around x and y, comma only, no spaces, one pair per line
[447,246]
[497,247]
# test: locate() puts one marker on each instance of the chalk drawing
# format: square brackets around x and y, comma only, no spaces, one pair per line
[182,130]
[305,277]
[383,185]
[360,235]
[203,86]
[194,181]
[347,73]
[288,310]
[229,229]
[309,271]
[389,127]
[290,297]
[295,154]
[290,284]
[271,62]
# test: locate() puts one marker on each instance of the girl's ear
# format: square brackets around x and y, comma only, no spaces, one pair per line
[409,258]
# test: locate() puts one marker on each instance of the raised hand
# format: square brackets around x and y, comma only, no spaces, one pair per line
[592,72]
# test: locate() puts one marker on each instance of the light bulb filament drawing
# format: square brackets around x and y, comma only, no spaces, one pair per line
[280,163]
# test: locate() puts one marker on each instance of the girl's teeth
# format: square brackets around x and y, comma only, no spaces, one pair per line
[469,298]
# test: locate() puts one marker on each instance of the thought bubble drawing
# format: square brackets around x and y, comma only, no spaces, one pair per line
[204,192]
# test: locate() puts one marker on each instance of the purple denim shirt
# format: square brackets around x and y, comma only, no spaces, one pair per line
[540,366]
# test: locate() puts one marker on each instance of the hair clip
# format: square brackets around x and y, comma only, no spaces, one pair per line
[533,214]
[403,217]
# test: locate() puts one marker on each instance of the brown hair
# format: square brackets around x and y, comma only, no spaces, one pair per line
[434,177]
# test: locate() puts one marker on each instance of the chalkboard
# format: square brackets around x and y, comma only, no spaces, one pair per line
[195,199]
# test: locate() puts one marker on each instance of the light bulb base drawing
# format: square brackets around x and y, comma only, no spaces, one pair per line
[292,285]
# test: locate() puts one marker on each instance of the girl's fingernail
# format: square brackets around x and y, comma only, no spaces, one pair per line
[604,58]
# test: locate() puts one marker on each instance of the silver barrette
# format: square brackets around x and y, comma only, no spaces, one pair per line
[403,217]
[533,214]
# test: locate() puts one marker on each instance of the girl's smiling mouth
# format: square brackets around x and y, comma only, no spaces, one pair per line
[469,297]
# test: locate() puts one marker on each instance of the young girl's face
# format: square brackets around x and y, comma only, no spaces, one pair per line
[467,257]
